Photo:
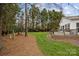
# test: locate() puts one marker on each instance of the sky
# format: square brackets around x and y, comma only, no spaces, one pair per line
[69,9]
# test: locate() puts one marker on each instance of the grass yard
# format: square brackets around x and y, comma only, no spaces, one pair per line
[54,48]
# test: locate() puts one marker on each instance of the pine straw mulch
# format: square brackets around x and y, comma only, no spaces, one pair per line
[67,38]
[20,46]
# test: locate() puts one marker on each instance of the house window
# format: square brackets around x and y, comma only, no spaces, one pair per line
[62,28]
[77,25]
[67,27]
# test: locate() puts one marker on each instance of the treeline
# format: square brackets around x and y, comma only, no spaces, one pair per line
[12,19]
[8,14]
[43,20]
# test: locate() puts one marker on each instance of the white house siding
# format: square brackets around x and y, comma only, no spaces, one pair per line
[64,21]
[72,23]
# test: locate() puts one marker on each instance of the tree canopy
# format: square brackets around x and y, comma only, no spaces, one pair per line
[8,16]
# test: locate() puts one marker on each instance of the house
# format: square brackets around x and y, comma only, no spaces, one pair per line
[70,24]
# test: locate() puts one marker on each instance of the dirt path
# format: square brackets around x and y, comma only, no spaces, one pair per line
[21,46]
[70,39]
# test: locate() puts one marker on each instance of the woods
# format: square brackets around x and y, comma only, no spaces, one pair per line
[13,19]
[8,18]
[44,20]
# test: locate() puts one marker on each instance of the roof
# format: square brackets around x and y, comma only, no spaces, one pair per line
[72,17]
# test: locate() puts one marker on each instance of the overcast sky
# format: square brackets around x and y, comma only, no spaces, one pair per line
[68,9]
[71,9]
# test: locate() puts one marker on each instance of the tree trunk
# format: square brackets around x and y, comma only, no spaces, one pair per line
[13,35]
[0,32]
[26,29]
[0,28]
[52,34]
[33,24]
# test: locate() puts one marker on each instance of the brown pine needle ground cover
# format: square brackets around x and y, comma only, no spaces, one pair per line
[70,39]
[20,46]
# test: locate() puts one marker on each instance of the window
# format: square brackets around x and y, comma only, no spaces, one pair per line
[77,25]
[62,28]
[67,27]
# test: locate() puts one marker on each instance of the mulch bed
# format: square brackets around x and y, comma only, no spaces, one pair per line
[20,46]
[66,37]
[70,39]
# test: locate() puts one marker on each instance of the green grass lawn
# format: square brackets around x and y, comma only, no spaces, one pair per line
[54,48]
